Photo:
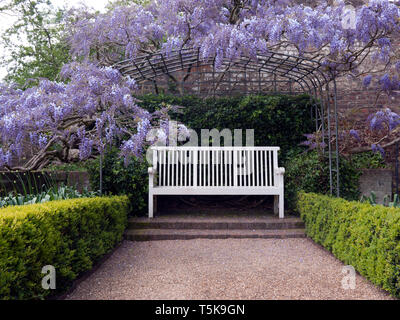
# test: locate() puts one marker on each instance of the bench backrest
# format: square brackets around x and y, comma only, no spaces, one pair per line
[215,166]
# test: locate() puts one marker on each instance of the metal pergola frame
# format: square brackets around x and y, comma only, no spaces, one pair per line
[272,69]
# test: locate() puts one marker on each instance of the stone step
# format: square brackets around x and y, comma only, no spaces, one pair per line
[215,224]
[187,234]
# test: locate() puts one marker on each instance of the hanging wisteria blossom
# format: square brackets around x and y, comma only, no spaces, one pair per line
[227,29]
[91,110]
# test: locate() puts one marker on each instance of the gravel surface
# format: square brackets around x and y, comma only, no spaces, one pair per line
[222,269]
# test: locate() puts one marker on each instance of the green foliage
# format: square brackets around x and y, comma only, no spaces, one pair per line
[34,44]
[116,3]
[52,194]
[131,180]
[368,160]
[309,171]
[359,234]
[72,166]
[21,188]
[26,183]
[394,204]
[71,235]
[371,199]
[277,120]
[386,200]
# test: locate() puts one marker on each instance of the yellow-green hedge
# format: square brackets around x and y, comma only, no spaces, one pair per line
[359,234]
[71,235]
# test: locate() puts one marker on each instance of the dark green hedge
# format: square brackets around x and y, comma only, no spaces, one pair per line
[118,178]
[359,234]
[277,120]
[71,235]
[309,171]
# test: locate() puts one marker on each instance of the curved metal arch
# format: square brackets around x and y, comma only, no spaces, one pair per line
[296,74]
[149,73]
[308,74]
[148,67]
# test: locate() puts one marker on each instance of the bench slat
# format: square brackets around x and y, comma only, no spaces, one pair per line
[217,167]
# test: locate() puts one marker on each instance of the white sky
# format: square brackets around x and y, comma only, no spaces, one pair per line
[7,20]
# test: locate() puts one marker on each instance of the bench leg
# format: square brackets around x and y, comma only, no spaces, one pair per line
[276,205]
[150,205]
[281,207]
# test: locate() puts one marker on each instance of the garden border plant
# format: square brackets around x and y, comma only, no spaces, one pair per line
[359,234]
[118,178]
[70,235]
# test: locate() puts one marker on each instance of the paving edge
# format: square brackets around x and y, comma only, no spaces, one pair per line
[189,234]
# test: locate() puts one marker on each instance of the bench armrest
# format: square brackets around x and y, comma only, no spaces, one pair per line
[280,171]
[151,170]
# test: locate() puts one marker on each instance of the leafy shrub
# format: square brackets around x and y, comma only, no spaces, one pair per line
[371,199]
[309,171]
[52,194]
[71,235]
[368,160]
[395,203]
[131,180]
[25,183]
[277,120]
[359,234]
[71,166]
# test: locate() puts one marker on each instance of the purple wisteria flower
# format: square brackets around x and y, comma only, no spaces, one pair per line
[211,26]
[367,80]
[397,66]
[313,142]
[42,141]
[354,134]
[93,108]
[389,83]
[5,157]
[377,148]
[382,118]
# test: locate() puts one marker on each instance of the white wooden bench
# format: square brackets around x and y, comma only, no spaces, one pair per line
[216,171]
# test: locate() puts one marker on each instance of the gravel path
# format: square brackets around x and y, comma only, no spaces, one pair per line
[222,269]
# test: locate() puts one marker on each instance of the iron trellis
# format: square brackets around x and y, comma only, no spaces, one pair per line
[268,72]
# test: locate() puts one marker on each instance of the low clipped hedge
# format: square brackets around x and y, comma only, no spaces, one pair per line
[70,235]
[359,234]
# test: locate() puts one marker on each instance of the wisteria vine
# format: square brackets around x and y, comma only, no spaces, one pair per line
[228,29]
[93,108]
[93,105]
